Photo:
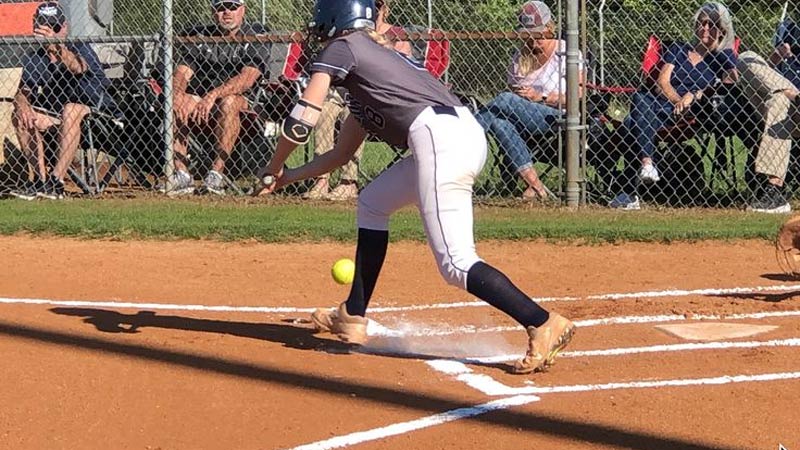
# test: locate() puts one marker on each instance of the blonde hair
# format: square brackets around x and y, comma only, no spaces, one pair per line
[719,14]
[528,62]
[380,39]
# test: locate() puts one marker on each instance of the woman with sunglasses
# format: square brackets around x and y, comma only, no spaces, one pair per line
[403,104]
[688,74]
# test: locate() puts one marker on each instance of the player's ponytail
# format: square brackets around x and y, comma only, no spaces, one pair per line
[380,39]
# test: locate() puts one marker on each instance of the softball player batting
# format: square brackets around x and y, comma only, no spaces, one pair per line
[400,102]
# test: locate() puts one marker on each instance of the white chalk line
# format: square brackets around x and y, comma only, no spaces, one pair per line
[418,424]
[377,330]
[519,400]
[489,386]
[390,309]
[664,348]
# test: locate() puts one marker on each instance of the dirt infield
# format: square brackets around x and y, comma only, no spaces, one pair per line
[203,345]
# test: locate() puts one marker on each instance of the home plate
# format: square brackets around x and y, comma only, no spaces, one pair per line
[714,331]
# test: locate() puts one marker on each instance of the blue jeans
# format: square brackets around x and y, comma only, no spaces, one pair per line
[648,115]
[510,119]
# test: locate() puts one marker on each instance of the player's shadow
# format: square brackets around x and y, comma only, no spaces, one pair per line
[302,338]
[761,296]
[289,335]
[780,277]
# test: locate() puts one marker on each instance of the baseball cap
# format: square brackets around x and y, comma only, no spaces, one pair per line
[50,14]
[534,16]
[219,2]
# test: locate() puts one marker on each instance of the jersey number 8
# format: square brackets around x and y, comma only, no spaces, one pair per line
[375,117]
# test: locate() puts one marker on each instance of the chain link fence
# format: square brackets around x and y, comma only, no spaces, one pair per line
[86,98]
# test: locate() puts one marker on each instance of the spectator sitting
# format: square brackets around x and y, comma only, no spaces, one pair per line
[60,84]
[786,56]
[689,70]
[530,109]
[770,93]
[210,87]
[334,111]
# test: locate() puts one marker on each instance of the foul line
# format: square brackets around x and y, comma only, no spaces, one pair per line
[519,400]
[389,309]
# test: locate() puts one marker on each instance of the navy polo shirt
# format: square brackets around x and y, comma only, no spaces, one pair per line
[688,78]
[52,86]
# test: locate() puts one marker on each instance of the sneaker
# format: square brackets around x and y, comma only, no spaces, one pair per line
[350,329]
[771,201]
[180,183]
[52,189]
[625,202]
[27,191]
[649,174]
[214,183]
[343,192]
[318,191]
[544,343]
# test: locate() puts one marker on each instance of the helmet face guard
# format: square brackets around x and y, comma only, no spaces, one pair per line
[334,17]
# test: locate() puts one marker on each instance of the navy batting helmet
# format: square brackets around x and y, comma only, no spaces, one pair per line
[332,17]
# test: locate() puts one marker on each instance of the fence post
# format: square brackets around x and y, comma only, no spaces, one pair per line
[166,46]
[573,122]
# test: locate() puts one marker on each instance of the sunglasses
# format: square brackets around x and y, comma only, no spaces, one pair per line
[227,6]
[707,23]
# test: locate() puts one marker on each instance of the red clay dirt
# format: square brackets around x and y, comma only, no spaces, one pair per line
[100,376]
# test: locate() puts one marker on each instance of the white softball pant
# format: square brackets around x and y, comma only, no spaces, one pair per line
[448,151]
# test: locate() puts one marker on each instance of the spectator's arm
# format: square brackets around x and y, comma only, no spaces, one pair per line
[731,76]
[21,97]
[780,53]
[180,82]
[665,86]
[240,83]
[22,107]
[403,47]
[557,99]
[71,59]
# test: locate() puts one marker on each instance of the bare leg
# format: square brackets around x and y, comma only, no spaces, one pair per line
[181,132]
[32,142]
[227,129]
[70,137]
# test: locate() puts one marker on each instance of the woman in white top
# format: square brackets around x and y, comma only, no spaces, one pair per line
[537,85]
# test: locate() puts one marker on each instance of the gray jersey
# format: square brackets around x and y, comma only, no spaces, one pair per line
[386,90]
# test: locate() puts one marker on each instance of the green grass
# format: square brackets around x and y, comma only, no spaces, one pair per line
[280,221]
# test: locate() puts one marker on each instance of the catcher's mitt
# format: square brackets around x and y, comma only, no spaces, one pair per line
[787,247]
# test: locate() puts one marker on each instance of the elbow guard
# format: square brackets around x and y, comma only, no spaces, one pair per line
[297,127]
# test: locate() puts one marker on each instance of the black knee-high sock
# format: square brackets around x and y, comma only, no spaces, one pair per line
[493,287]
[370,253]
